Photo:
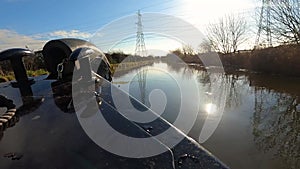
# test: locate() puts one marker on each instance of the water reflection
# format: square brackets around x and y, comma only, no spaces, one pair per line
[230,83]
[260,127]
[276,125]
[158,90]
[142,75]
[275,119]
[210,108]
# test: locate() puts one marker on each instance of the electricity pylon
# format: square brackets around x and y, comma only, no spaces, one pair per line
[264,22]
[140,48]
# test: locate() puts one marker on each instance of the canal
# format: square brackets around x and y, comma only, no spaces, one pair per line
[259,127]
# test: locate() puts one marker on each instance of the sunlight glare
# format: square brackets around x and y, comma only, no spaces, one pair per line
[210,108]
[200,13]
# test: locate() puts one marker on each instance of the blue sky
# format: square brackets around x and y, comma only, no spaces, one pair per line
[33,22]
[39,16]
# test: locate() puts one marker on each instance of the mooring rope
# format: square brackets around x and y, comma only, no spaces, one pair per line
[9,118]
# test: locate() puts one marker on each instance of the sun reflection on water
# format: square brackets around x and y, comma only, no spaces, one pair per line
[210,108]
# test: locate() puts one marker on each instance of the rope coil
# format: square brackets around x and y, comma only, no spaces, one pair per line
[8,119]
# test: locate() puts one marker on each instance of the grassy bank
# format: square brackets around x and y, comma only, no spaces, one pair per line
[284,60]
[128,66]
[31,73]
[281,60]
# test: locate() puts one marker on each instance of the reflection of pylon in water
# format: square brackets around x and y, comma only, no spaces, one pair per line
[258,108]
[142,75]
[140,48]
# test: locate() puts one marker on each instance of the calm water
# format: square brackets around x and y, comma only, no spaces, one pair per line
[260,125]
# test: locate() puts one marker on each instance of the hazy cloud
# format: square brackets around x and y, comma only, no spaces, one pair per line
[12,39]
[70,34]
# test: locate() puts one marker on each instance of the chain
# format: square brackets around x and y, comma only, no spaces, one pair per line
[60,69]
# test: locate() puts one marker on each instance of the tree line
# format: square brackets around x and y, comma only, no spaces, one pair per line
[231,31]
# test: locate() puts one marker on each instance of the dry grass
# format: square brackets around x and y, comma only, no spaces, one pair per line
[283,60]
[31,73]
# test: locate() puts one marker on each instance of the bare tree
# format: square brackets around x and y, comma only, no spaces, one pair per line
[238,30]
[285,21]
[228,33]
[177,52]
[205,47]
[187,50]
[219,36]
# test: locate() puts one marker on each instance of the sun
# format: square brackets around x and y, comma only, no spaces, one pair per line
[202,12]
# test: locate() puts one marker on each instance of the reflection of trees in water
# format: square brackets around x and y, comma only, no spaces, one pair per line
[181,68]
[187,73]
[175,67]
[203,77]
[276,117]
[235,90]
[276,126]
[230,83]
